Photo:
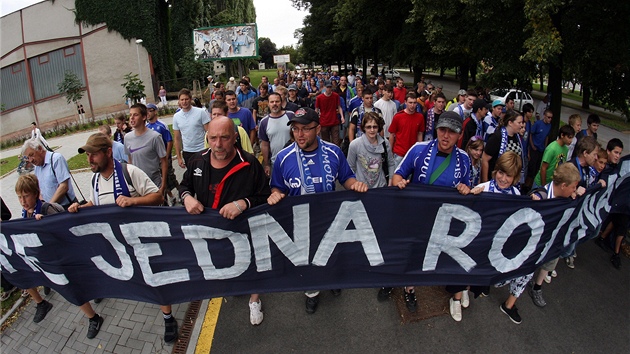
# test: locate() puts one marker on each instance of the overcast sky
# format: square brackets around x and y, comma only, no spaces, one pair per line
[277,19]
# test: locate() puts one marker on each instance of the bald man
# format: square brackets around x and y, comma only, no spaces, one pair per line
[246,187]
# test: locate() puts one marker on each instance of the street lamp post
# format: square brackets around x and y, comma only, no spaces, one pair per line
[138,41]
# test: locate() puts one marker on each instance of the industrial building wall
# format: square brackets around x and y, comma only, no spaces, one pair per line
[38,44]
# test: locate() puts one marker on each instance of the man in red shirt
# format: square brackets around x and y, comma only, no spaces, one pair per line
[407,128]
[327,106]
[400,91]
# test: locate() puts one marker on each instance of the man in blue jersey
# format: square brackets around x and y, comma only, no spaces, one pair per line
[438,162]
[310,165]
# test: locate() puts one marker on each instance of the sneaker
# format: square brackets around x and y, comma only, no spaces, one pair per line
[511,313]
[616,261]
[384,293]
[255,313]
[569,262]
[94,325]
[553,273]
[42,310]
[25,293]
[46,290]
[537,297]
[410,301]
[336,292]
[548,279]
[311,304]
[465,299]
[455,307]
[98,300]
[170,330]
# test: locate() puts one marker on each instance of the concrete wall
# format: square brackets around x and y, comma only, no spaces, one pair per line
[105,85]
[107,57]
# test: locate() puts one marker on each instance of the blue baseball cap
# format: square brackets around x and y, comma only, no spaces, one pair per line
[152,106]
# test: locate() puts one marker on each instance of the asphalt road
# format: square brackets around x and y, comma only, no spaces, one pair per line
[587,312]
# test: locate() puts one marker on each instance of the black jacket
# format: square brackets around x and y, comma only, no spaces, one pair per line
[246,180]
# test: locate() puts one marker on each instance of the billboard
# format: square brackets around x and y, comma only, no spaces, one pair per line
[226,42]
[281,58]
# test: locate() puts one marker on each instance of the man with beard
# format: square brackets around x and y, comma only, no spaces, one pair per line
[273,131]
[125,185]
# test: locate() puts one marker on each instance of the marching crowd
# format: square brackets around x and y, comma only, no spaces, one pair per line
[306,132]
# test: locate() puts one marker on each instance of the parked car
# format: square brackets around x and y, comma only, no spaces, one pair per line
[391,74]
[520,97]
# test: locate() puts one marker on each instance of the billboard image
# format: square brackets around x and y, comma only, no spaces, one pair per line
[226,42]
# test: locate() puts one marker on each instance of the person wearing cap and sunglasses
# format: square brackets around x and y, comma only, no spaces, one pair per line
[109,186]
[438,162]
[307,166]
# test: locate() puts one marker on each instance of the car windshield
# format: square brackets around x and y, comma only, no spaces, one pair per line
[499,92]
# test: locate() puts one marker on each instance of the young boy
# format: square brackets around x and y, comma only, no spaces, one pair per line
[592,124]
[555,154]
[27,190]
[564,184]
[616,223]
[505,177]
[575,121]
[585,159]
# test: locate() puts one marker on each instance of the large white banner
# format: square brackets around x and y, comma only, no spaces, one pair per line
[226,42]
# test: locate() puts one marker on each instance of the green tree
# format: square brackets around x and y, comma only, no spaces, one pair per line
[266,49]
[71,87]
[134,88]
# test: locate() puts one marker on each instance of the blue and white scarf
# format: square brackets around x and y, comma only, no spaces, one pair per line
[428,157]
[120,185]
[479,130]
[308,183]
[38,210]
[494,188]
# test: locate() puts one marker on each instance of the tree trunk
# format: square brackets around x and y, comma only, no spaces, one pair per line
[365,70]
[441,71]
[473,73]
[542,79]
[586,98]
[417,73]
[463,76]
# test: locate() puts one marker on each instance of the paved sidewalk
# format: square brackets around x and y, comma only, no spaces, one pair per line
[129,326]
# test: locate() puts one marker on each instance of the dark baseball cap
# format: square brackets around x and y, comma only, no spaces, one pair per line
[450,120]
[304,116]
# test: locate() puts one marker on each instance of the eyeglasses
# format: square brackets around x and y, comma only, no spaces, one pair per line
[368,127]
[304,130]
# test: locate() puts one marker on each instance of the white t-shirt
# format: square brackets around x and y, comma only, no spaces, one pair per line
[275,131]
[388,109]
[142,185]
[190,124]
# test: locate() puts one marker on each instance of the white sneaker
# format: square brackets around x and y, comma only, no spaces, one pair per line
[465,299]
[548,279]
[255,312]
[553,273]
[456,309]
